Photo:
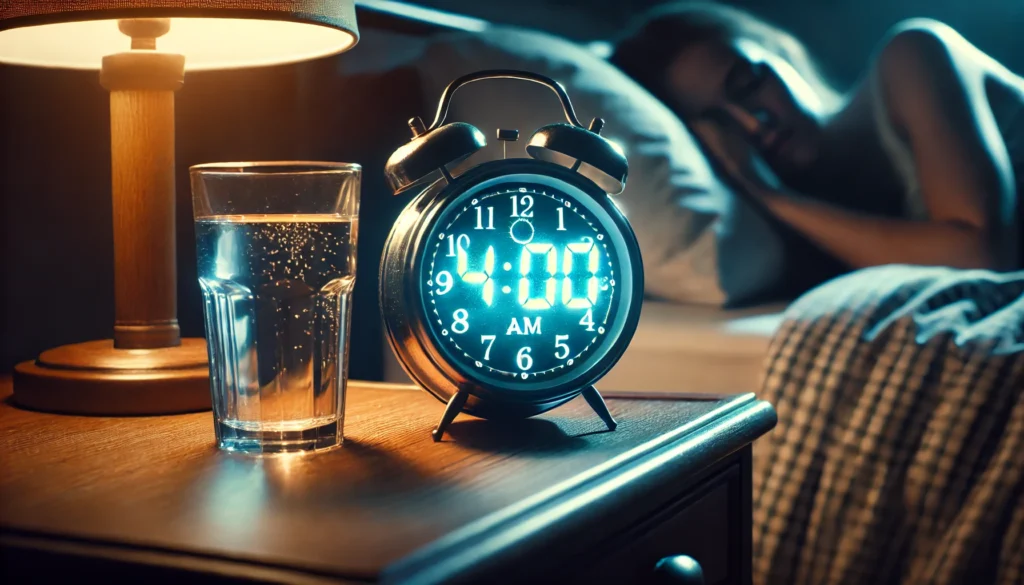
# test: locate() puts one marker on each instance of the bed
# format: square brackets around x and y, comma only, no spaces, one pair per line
[696,348]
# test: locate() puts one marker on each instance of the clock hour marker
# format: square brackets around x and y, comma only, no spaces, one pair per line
[506,289]
[507,266]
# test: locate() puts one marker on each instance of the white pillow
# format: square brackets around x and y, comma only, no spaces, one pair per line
[699,242]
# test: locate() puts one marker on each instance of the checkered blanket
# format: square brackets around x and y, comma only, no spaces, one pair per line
[899,453]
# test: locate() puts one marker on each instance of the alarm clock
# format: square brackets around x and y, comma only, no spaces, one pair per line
[513,287]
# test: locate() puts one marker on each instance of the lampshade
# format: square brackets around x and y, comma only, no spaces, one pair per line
[211,34]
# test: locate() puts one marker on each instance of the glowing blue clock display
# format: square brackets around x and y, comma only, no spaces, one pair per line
[519,282]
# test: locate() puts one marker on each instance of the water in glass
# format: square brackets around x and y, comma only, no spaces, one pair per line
[277,294]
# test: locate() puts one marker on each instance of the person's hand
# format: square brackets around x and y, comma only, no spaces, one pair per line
[737,158]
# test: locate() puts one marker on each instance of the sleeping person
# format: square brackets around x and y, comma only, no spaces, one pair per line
[922,162]
[899,388]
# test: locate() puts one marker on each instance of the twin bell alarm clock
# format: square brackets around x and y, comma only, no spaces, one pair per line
[513,287]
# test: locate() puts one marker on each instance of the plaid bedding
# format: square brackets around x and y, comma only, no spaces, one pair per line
[899,453]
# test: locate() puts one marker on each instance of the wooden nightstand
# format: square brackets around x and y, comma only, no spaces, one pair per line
[555,498]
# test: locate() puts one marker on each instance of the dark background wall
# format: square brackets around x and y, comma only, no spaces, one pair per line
[841,32]
[55,209]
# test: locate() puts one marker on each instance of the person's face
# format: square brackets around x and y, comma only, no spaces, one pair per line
[755,89]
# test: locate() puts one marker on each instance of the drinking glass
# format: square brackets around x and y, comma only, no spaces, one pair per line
[276,250]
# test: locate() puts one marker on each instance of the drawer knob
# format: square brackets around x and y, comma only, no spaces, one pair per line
[678,570]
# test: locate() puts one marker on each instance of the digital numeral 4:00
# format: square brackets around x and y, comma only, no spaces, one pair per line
[589,264]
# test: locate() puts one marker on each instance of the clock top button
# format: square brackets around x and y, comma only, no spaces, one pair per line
[508,134]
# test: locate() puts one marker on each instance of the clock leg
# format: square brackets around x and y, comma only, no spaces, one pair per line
[455,404]
[595,401]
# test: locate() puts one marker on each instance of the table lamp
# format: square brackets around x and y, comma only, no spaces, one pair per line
[142,48]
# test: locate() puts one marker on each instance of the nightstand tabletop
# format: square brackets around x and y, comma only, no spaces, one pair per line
[379,507]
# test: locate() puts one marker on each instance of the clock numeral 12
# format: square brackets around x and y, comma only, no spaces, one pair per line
[527,203]
[561,219]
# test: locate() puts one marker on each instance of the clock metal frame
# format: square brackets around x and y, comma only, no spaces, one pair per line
[404,313]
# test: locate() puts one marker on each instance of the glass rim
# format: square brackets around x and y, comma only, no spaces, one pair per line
[275,167]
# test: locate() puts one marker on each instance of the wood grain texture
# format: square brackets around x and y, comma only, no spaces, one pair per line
[159,483]
[95,378]
[145,277]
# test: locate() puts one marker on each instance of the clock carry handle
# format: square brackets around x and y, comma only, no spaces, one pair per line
[449,92]
[431,150]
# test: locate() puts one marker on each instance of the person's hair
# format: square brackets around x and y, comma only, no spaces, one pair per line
[656,37]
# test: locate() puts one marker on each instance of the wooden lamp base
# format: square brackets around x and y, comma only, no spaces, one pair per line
[95,378]
[147,368]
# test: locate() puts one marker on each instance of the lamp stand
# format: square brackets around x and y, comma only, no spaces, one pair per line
[146,368]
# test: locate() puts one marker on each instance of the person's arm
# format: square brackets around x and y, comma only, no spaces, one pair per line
[857,239]
[934,84]
[863,240]
[961,164]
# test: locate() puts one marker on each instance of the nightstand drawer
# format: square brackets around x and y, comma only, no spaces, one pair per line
[706,522]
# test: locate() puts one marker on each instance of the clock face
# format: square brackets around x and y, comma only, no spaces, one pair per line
[521,281]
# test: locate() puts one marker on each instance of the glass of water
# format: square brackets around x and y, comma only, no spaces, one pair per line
[276,247]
